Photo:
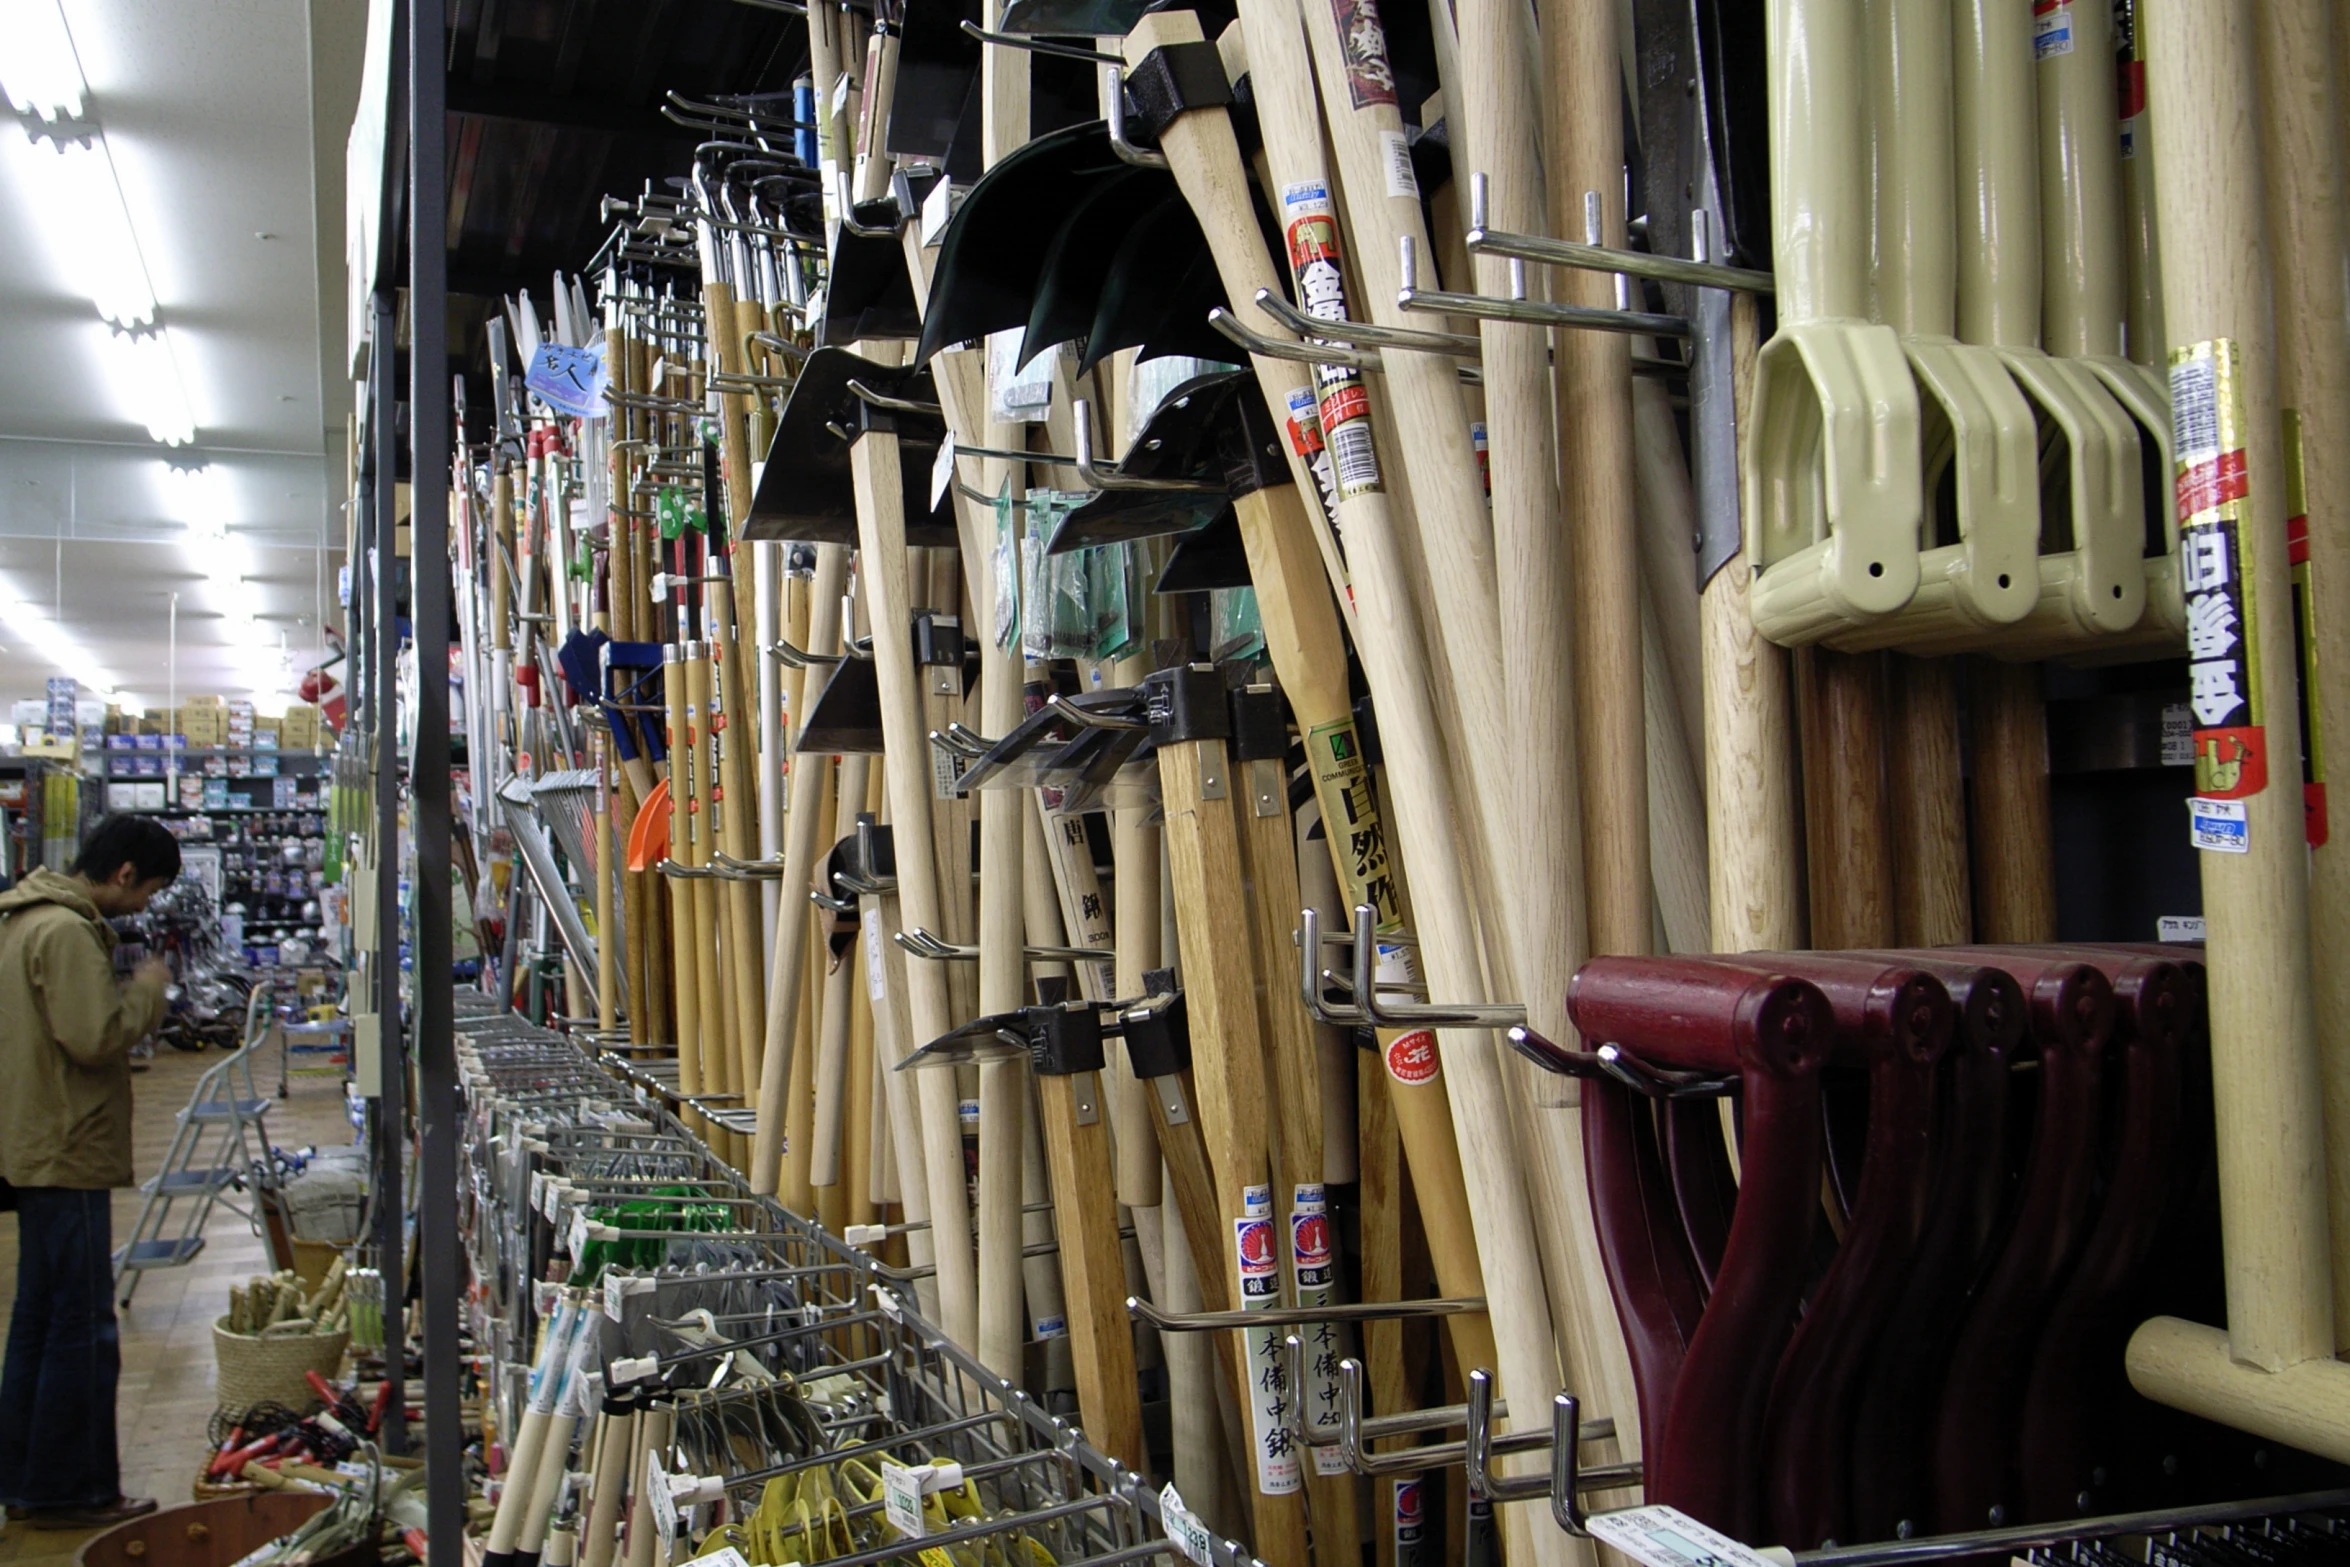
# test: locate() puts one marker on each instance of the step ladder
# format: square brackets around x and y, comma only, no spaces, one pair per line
[220,1140]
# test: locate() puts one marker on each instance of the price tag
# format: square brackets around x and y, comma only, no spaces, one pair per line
[901,1500]
[942,472]
[664,1504]
[579,1233]
[724,1556]
[2179,927]
[1185,1532]
[2221,826]
[1668,1537]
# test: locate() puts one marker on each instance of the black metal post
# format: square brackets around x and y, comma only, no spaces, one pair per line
[429,596]
[383,647]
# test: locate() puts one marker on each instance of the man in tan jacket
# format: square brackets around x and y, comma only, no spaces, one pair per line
[66,1031]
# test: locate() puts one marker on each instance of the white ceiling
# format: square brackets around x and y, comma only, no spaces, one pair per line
[226,121]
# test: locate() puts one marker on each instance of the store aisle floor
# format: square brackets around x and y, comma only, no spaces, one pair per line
[165,1402]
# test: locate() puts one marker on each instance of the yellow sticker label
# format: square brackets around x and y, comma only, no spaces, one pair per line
[1350,815]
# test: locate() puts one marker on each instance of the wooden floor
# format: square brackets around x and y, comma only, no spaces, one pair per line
[167,1367]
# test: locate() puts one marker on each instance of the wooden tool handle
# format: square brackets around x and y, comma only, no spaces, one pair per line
[2255,904]
[881,523]
[2303,155]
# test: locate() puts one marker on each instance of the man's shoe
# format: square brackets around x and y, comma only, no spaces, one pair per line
[104,1516]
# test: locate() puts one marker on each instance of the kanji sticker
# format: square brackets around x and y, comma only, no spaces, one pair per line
[1271,1401]
[2213,485]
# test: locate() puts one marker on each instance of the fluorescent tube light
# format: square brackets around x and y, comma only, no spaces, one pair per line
[39,70]
[148,379]
[82,210]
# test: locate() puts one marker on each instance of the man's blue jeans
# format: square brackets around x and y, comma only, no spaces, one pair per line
[64,1354]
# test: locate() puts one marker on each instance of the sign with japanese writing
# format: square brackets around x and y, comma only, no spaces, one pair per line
[569,380]
[2213,486]
[1350,815]
[1311,1263]
[1270,1401]
[1310,224]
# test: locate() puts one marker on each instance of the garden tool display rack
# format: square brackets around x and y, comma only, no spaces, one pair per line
[918,885]
[560,1141]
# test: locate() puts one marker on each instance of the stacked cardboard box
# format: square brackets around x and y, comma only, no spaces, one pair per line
[299,729]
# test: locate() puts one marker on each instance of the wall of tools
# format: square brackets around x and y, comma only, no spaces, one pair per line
[1254,731]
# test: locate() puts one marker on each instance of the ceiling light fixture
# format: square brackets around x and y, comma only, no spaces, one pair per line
[148,375]
[41,73]
[81,209]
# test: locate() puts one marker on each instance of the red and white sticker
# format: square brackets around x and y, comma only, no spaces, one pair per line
[1412,1059]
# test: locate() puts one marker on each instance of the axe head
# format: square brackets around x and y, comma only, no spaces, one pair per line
[805,491]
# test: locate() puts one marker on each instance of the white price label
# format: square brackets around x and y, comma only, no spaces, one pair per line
[2178,735]
[724,1556]
[2179,927]
[2222,826]
[942,472]
[1395,161]
[876,954]
[579,1233]
[1185,1532]
[664,1504]
[1668,1537]
[901,1500]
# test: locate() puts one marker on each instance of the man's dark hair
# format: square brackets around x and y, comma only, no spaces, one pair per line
[141,842]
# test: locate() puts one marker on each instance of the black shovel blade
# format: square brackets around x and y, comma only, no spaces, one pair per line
[1159,289]
[978,1040]
[1079,259]
[937,91]
[1181,441]
[805,491]
[846,719]
[994,248]
[1073,18]
[869,293]
[1212,558]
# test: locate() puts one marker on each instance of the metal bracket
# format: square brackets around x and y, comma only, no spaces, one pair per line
[1110,476]
[1410,296]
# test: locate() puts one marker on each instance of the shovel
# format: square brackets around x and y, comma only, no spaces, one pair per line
[1834,498]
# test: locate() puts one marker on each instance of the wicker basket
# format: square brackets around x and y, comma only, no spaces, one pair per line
[267,1367]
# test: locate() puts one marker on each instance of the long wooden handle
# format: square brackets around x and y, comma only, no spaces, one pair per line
[2216,297]
[2303,153]
[881,527]
[1211,925]
[684,935]
[787,963]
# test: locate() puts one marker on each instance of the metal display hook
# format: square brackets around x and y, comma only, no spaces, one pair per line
[904,405]
[799,658]
[1613,1061]
[1484,240]
[922,944]
[1410,296]
[1112,476]
[1405,1014]
[1360,332]
[1034,45]
[728,868]
[1114,121]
